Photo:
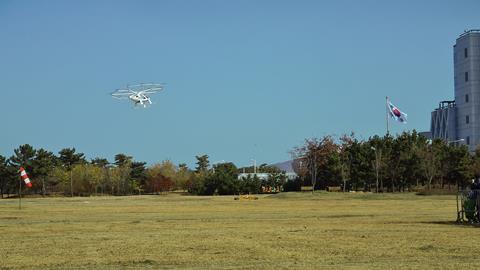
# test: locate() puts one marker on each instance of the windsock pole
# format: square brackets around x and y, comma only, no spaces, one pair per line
[23,178]
[20,193]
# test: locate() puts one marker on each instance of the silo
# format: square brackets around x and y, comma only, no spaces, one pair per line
[467,87]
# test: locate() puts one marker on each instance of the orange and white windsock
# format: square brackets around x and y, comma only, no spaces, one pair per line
[25,178]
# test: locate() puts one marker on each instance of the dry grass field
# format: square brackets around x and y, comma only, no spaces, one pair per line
[283,231]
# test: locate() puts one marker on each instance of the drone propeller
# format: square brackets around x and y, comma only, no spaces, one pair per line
[123,93]
[150,88]
[149,91]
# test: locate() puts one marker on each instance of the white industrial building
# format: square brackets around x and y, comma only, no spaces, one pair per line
[459,120]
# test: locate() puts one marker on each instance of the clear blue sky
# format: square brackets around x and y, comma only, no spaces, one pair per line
[245,79]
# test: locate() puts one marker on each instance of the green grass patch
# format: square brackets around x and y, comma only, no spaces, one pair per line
[281,231]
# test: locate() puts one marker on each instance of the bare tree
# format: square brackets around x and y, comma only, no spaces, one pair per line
[313,156]
[345,157]
[430,162]
[305,158]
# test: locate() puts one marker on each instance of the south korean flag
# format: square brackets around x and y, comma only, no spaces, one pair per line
[396,114]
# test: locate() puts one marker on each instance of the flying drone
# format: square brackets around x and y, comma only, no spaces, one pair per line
[139,94]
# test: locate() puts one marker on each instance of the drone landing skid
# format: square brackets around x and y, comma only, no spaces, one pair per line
[141,105]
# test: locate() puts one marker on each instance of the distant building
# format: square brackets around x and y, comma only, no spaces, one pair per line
[265,176]
[443,122]
[426,134]
[285,166]
[459,120]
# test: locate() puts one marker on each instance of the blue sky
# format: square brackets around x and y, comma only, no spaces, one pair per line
[245,79]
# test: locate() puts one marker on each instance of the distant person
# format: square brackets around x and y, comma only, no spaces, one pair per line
[475,184]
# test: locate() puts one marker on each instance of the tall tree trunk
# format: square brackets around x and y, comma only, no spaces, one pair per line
[314,180]
[43,186]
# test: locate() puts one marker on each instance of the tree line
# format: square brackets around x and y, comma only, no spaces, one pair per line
[406,162]
[69,173]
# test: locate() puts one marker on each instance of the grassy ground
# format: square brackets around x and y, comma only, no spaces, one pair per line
[283,231]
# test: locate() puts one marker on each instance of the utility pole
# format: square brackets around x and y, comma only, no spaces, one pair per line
[376,167]
[71,182]
[216,162]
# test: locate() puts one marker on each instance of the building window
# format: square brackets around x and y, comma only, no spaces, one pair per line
[466,98]
[468,140]
[466,52]
[467,119]
[466,76]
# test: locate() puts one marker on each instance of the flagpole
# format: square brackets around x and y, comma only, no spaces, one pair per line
[386,112]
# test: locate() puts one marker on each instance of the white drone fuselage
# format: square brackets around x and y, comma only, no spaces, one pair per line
[141,99]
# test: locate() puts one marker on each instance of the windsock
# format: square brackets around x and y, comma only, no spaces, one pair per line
[25,178]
